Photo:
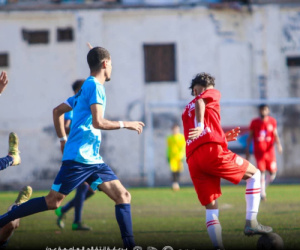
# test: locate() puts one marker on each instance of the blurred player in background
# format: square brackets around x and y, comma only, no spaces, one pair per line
[209,159]
[12,159]
[81,159]
[175,154]
[83,192]
[263,132]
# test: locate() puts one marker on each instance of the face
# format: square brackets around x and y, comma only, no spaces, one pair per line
[108,70]
[176,130]
[264,112]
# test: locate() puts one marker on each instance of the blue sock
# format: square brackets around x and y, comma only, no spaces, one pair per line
[32,206]
[68,206]
[79,200]
[71,203]
[89,194]
[6,162]
[123,216]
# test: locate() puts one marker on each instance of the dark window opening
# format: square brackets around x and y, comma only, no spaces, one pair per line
[65,35]
[3,59]
[159,63]
[36,37]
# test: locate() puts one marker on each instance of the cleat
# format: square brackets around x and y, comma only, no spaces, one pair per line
[259,229]
[60,218]
[13,142]
[24,195]
[80,227]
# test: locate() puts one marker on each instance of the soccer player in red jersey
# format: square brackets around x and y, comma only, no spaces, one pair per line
[209,159]
[263,132]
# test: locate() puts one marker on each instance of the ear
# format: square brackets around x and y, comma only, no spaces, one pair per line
[104,64]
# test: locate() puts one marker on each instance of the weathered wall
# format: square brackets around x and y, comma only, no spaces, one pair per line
[245,52]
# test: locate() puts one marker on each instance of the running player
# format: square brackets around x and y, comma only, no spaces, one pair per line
[175,155]
[263,131]
[83,191]
[209,159]
[81,159]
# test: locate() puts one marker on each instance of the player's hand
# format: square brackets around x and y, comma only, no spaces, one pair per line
[3,81]
[62,146]
[195,133]
[89,45]
[279,147]
[232,134]
[136,125]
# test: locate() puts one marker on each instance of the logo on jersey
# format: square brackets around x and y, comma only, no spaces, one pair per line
[204,132]
[239,161]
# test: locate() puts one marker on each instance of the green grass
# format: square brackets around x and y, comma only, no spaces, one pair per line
[161,218]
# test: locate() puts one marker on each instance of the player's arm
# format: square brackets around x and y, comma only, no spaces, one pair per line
[277,141]
[199,114]
[249,140]
[232,134]
[58,120]
[101,123]
[3,81]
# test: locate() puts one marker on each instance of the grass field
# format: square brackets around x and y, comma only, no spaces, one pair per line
[161,218]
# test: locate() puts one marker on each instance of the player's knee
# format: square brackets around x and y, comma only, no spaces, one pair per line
[52,202]
[124,197]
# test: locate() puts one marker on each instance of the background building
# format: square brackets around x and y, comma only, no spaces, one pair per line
[157,47]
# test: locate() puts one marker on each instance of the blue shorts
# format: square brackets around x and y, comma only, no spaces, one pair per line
[72,174]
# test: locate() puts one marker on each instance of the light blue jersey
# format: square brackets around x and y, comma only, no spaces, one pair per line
[69,115]
[84,140]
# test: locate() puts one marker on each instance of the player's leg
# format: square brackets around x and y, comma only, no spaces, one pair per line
[253,182]
[272,170]
[13,157]
[81,194]
[122,198]
[263,186]
[213,225]
[7,231]
[208,190]
[261,165]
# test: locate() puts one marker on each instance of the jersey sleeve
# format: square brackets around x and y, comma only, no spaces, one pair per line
[211,95]
[70,101]
[97,95]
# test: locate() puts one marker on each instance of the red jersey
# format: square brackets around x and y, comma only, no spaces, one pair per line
[213,131]
[263,135]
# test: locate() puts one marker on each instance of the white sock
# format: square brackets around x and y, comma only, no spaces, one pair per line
[214,228]
[263,184]
[252,196]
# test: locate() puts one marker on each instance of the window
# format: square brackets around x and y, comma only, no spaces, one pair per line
[36,37]
[3,59]
[65,35]
[159,63]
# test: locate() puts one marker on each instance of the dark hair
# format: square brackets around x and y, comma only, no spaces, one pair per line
[203,79]
[77,84]
[262,106]
[95,57]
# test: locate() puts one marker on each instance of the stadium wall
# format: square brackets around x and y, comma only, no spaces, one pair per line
[246,52]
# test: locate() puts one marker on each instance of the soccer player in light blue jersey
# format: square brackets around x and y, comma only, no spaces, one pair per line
[81,159]
[83,191]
